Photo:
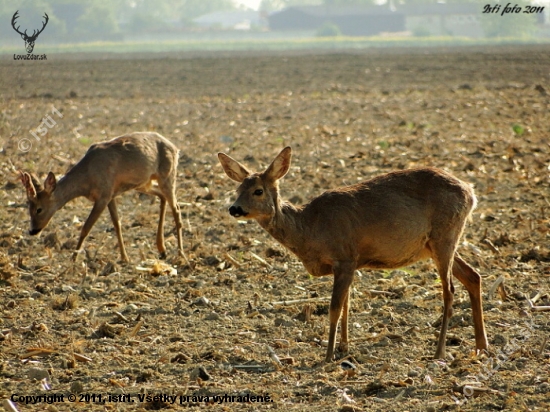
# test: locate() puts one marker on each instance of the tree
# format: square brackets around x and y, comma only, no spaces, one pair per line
[274,5]
[31,17]
[190,9]
[154,14]
[98,21]
[349,2]
[416,2]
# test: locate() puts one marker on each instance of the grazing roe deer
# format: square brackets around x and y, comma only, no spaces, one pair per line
[108,169]
[388,222]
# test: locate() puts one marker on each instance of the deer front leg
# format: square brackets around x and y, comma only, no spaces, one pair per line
[343,277]
[343,346]
[98,208]
[448,292]
[447,314]
[118,230]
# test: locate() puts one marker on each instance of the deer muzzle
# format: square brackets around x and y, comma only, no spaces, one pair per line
[237,211]
[33,232]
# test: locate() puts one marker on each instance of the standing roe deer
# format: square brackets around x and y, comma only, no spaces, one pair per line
[108,169]
[388,222]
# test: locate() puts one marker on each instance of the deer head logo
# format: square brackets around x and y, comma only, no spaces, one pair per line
[29,40]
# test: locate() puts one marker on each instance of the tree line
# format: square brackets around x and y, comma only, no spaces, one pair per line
[76,20]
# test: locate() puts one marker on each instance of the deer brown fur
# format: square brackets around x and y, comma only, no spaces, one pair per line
[108,169]
[388,222]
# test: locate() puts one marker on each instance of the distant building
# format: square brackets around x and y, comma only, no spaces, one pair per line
[351,20]
[230,20]
[444,19]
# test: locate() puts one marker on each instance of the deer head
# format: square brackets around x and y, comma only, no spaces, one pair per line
[258,193]
[41,200]
[29,40]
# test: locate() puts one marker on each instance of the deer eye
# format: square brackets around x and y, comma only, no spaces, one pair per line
[258,192]
[39,210]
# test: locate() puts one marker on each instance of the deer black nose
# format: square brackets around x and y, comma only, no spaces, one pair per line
[237,211]
[33,232]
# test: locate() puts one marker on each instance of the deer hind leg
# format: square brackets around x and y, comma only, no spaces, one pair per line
[168,188]
[343,277]
[118,230]
[162,213]
[98,208]
[160,230]
[472,282]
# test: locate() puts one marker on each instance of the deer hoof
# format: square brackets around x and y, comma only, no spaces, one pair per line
[343,347]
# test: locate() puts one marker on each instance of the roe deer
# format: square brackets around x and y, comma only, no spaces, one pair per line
[108,169]
[388,222]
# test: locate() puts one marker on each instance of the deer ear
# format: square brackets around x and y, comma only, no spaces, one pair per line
[232,168]
[27,183]
[50,183]
[280,165]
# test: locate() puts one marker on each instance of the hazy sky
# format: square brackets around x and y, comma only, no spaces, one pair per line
[253,4]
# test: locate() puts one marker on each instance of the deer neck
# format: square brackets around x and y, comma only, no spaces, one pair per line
[284,225]
[70,186]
